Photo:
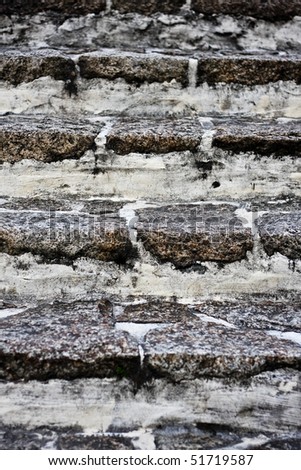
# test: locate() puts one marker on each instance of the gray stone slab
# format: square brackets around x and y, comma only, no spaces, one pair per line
[156,312]
[65,236]
[207,436]
[134,68]
[45,139]
[281,233]
[17,66]
[186,352]
[248,70]
[9,7]
[266,314]
[186,235]
[273,10]
[156,136]
[67,341]
[263,138]
[58,438]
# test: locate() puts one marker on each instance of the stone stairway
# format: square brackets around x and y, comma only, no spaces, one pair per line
[150,230]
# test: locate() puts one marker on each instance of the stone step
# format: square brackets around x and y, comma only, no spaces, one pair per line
[63,236]
[17,66]
[150,83]
[184,235]
[275,10]
[45,139]
[50,139]
[205,436]
[86,339]
[170,135]
[246,69]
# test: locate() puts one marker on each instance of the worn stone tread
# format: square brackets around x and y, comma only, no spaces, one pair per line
[248,70]
[61,6]
[281,233]
[45,139]
[25,66]
[185,352]
[185,134]
[134,68]
[265,314]
[263,138]
[65,341]
[79,340]
[186,235]
[273,10]
[59,438]
[64,236]
[154,136]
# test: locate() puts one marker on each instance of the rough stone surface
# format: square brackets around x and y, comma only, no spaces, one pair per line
[63,236]
[62,6]
[134,68]
[160,136]
[273,10]
[148,7]
[17,67]
[156,312]
[49,437]
[72,203]
[186,352]
[263,314]
[281,233]
[263,137]
[206,436]
[188,235]
[65,341]
[248,70]
[45,139]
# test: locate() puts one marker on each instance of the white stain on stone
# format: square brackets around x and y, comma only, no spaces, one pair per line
[192,72]
[287,335]
[138,330]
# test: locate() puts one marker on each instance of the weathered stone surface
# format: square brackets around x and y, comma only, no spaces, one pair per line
[50,437]
[272,10]
[157,136]
[62,6]
[45,139]
[156,312]
[148,7]
[65,341]
[63,236]
[263,314]
[281,233]
[213,436]
[134,68]
[66,204]
[186,352]
[263,138]
[187,235]
[17,67]
[248,70]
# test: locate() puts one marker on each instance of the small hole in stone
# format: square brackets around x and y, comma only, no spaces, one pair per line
[216,184]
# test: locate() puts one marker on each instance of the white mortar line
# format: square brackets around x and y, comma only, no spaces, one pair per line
[286,335]
[108,6]
[192,73]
